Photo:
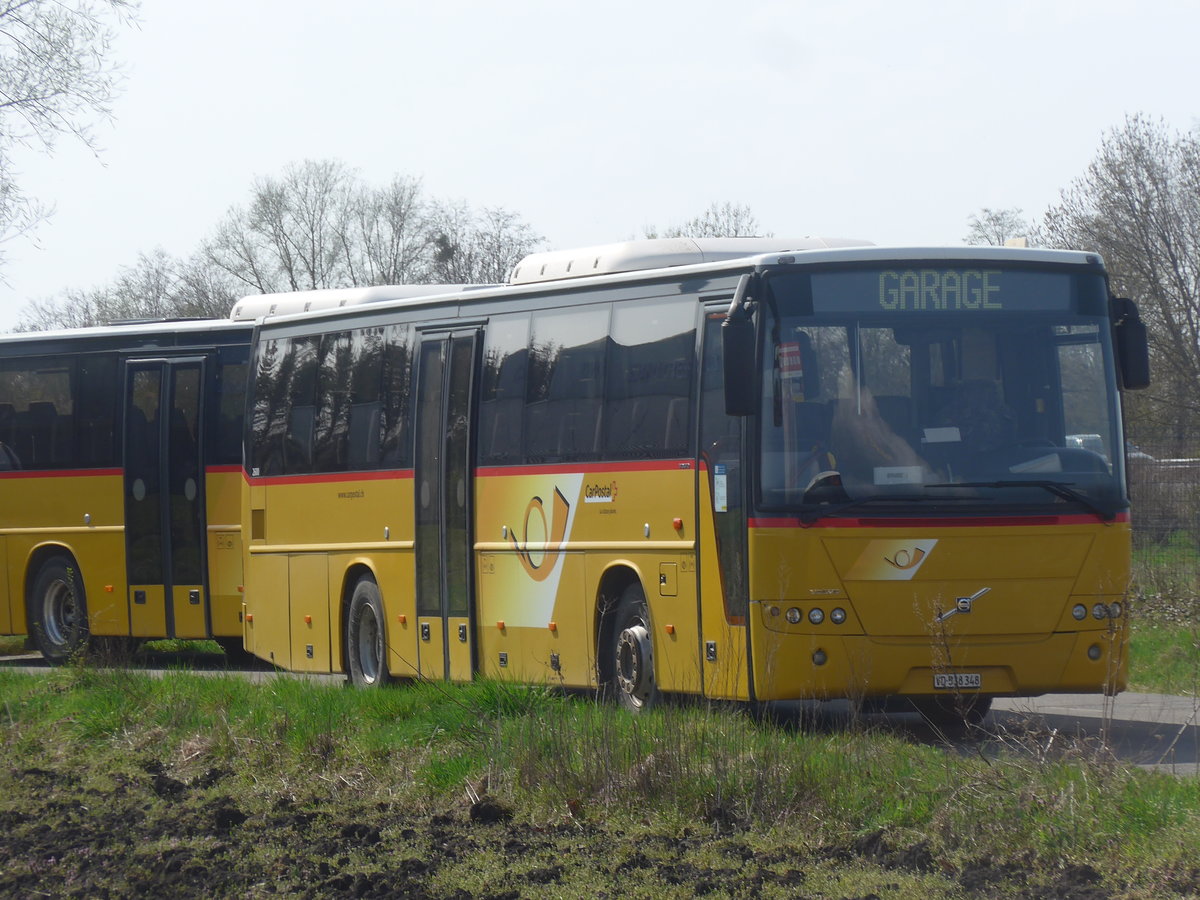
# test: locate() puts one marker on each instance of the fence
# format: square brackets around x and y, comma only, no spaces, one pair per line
[1165,493]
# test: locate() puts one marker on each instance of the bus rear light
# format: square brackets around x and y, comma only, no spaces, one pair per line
[794,615]
[249,617]
[819,658]
[402,619]
[670,629]
[1079,611]
[837,616]
[241,589]
[678,523]
[500,625]
[553,626]
[308,620]
[108,589]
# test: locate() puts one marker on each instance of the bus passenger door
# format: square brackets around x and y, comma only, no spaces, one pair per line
[443,495]
[723,559]
[164,499]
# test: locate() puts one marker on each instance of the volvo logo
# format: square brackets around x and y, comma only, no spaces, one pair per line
[961,605]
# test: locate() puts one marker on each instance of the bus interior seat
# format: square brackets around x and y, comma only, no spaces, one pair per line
[8,421]
[580,429]
[897,412]
[502,437]
[363,434]
[811,422]
[40,432]
[541,429]
[300,438]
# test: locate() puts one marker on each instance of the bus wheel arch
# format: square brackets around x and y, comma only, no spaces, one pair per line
[365,632]
[625,644]
[56,604]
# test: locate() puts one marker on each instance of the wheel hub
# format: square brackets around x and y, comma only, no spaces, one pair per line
[635,668]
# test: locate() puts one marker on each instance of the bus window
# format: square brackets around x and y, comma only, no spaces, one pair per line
[648,397]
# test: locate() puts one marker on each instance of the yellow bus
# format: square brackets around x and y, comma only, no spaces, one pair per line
[742,469]
[120,483]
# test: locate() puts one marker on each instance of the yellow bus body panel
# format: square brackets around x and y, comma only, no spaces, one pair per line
[1018,634]
[310,540]
[222,488]
[547,538]
[81,514]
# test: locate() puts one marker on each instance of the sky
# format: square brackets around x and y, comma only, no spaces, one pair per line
[886,121]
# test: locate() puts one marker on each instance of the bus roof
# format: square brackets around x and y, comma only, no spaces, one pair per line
[657,253]
[667,264]
[136,334]
[257,306]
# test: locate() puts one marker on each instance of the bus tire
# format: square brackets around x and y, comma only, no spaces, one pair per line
[366,647]
[58,610]
[632,653]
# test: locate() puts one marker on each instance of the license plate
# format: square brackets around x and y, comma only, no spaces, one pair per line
[948,681]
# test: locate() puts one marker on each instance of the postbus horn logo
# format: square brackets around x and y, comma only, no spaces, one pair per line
[539,556]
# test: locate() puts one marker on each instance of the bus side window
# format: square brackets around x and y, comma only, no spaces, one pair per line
[396,432]
[649,388]
[502,396]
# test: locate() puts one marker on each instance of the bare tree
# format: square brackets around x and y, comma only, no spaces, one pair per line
[57,78]
[477,248]
[157,286]
[719,220]
[1138,206]
[388,242]
[996,227]
[316,226]
[292,235]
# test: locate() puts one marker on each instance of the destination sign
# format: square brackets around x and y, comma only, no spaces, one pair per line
[926,289]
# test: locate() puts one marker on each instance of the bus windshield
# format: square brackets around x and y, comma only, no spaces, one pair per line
[891,391]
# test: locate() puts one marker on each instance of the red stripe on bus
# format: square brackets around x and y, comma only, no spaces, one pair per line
[653,465]
[329,477]
[220,470]
[948,522]
[60,473]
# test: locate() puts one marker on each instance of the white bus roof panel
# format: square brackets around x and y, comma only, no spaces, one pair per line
[657,253]
[256,306]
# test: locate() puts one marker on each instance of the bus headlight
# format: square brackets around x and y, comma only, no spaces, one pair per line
[816,616]
[1079,611]
[794,615]
[837,616]
[1099,611]
[1094,652]
[1115,611]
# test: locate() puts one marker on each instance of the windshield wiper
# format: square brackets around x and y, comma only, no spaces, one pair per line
[1057,488]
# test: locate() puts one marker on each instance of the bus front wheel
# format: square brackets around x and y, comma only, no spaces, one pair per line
[58,610]
[366,649]
[632,653]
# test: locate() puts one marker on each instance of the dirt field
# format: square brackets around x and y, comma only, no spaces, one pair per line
[70,832]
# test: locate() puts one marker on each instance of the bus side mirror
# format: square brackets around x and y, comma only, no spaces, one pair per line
[1133,354]
[737,351]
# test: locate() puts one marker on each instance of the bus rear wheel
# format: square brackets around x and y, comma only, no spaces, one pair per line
[366,649]
[632,653]
[58,610]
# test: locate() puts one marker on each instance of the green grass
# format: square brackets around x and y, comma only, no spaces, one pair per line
[1164,658]
[565,762]
[12,645]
